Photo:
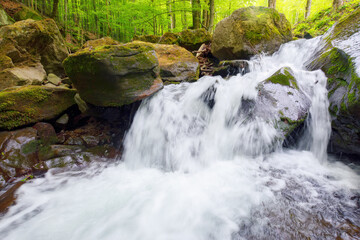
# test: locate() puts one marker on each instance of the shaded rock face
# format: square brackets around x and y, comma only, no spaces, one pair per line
[250,31]
[176,63]
[339,58]
[231,68]
[19,11]
[29,47]
[30,104]
[114,75]
[189,39]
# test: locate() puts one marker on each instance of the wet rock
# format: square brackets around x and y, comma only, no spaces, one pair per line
[46,132]
[250,31]
[339,58]
[74,141]
[30,104]
[8,198]
[115,75]
[91,141]
[13,160]
[231,68]
[56,151]
[280,98]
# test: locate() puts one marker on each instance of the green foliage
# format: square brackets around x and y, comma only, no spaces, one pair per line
[320,22]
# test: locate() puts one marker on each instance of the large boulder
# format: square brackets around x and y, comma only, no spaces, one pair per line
[250,31]
[114,75]
[339,58]
[176,63]
[29,42]
[280,96]
[30,104]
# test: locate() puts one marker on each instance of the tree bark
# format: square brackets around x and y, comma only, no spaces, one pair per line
[55,8]
[212,15]
[337,4]
[272,4]
[307,9]
[196,12]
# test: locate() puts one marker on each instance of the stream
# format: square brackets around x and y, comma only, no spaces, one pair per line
[195,167]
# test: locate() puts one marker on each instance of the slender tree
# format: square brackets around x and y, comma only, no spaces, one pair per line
[196,12]
[272,4]
[212,15]
[307,8]
[337,3]
[55,8]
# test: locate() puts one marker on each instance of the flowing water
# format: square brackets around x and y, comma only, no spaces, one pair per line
[197,168]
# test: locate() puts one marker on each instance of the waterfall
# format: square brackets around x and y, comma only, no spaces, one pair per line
[198,165]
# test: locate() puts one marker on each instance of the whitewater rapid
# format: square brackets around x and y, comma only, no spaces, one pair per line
[194,168]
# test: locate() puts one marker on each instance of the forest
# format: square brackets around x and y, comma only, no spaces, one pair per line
[122,19]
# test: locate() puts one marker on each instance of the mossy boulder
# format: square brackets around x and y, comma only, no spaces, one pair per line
[30,104]
[339,58]
[147,38]
[281,99]
[250,31]
[188,39]
[176,63]
[115,75]
[92,44]
[28,42]
[5,19]
[193,39]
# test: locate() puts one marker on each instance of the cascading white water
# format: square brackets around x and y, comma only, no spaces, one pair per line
[196,168]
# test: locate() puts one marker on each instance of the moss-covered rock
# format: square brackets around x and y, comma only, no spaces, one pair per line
[28,42]
[30,104]
[147,38]
[92,44]
[281,99]
[5,19]
[188,39]
[339,58]
[176,63]
[284,77]
[249,31]
[193,39]
[114,75]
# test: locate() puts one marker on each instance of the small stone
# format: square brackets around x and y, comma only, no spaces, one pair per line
[46,132]
[91,141]
[52,78]
[63,120]
[82,105]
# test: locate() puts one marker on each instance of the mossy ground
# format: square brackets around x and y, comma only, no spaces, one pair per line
[322,21]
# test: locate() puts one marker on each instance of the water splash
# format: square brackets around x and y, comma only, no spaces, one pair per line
[194,168]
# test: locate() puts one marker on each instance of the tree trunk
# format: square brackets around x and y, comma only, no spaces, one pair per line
[212,15]
[196,13]
[272,4]
[337,4]
[307,9]
[55,8]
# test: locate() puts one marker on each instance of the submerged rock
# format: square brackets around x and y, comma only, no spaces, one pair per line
[339,58]
[30,104]
[250,31]
[115,75]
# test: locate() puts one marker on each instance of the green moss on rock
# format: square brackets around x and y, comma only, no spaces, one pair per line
[30,104]
[284,77]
